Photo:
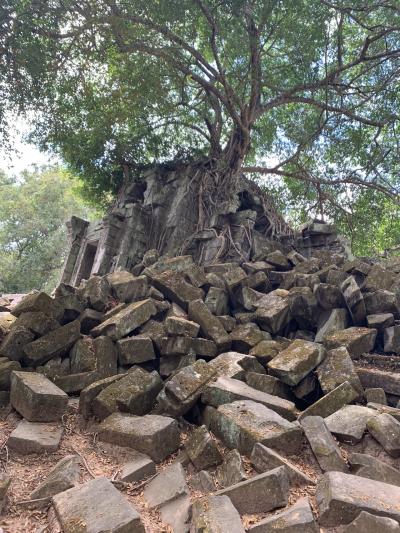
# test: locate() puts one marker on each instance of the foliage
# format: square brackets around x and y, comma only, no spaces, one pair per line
[117,84]
[33,240]
[367,217]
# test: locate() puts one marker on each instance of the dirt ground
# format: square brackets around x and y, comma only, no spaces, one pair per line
[101,459]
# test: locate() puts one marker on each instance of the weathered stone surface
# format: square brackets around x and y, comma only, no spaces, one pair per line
[181,326]
[127,287]
[106,355]
[385,409]
[135,393]
[83,508]
[243,423]
[231,471]
[167,486]
[203,482]
[261,493]
[386,430]
[6,368]
[176,346]
[202,449]
[36,398]
[174,287]
[126,320]
[210,325]
[182,391]
[13,344]
[63,476]
[369,523]
[204,347]
[82,355]
[354,301]
[34,437]
[382,301]
[55,343]
[245,336]
[135,350]
[375,395]
[340,498]
[336,320]
[217,301]
[273,312]
[235,365]
[331,402]
[328,296]
[156,436]
[374,377]
[356,340]
[294,363]
[372,468]
[176,514]
[38,301]
[268,384]
[228,390]
[335,369]
[96,292]
[303,307]
[349,423]
[215,514]
[37,321]
[266,350]
[379,278]
[323,445]
[299,517]
[264,459]
[391,339]
[380,321]
[138,468]
[89,393]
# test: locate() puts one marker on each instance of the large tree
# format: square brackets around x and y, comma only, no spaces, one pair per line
[306,89]
[33,238]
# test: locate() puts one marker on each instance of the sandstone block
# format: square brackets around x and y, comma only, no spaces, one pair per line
[294,363]
[84,507]
[264,459]
[228,390]
[127,320]
[259,494]
[210,325]
[356,340]
[153,435]
[36,398]
[243,423]
[323,445]
[34,437]
[215,514]
[341,497]
[55,343]
[299,517]
[202,449]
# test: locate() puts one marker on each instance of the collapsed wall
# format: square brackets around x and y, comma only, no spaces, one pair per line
[160,210]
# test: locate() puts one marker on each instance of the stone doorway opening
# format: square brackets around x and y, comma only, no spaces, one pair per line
[87,262]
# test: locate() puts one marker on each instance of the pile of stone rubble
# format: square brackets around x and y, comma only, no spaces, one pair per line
[272,359]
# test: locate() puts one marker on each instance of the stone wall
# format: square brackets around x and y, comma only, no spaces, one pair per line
[159,210]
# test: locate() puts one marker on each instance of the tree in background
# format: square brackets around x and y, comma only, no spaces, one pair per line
[304,90]
[33,241]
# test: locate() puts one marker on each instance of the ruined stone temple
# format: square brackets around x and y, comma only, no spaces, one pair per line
[159,211]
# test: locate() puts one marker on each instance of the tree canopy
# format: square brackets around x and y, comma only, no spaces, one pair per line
[33,237]
[306,90]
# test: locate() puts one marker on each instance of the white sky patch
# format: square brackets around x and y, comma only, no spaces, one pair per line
[22,155]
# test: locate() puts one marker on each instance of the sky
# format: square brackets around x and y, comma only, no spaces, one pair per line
[22,156]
